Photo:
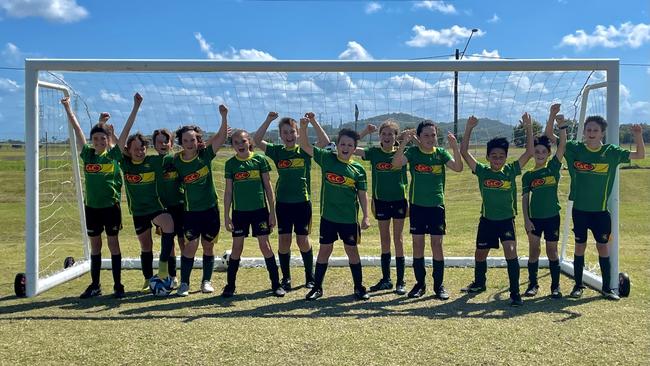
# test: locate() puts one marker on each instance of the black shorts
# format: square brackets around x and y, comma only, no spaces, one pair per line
[550,226]
[386,210]
[204,224]
[491,231]
[293,216]
[258,220]
[427,220]
[100,219]
[143,223]
[600,224]
[177,216]
[330,231]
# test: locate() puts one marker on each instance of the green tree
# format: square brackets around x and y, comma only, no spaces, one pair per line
[519,133]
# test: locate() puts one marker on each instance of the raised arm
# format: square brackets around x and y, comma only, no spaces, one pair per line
[322,139]
[81,139]
[227,202]
[258,137]
[548,131]
[303,139]
[464,146]
[363,202]
[370,128]
[561,146]
[399,160]
[121,141]
[222,134]
[268,190]
[528,153]
[455,164]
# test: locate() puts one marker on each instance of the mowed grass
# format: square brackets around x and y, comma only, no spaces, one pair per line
[58,328]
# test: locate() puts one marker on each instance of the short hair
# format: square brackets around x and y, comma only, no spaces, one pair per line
[422,125]
[498,143]
[597,119]
[349,133]
[288,121]
[544,141]
[163,131]
[99,128]
[187,128]
[137,136]
[389,123]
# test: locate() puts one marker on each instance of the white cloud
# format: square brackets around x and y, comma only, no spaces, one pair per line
[628,34]
[11,53]
[447,37]
[647,71]
[9,85]
[495,19]
[439,6]
[112,97]
[485,54]
[355,51]
[64,11]
[373,7]
[232,54]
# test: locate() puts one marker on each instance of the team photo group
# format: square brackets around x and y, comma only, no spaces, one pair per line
[172,192]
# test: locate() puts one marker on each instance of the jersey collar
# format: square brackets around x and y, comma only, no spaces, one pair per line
[248,158]
[428,152]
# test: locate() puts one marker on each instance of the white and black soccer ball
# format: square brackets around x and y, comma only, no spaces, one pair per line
[225,259]
[160,287]
[331,147]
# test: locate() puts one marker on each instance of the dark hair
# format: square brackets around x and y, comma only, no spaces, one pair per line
[498,143]
[349,133]
[99,128]
[182,130]
[240,133]
[423,124]
[287,121]
[597,119]
[544,141]
[136,136]
[163,131]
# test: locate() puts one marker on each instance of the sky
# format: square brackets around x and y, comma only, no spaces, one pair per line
[328,30]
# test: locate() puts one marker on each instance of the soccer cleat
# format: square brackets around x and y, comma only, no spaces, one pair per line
[441,293]
[473,288]
[118,291]
[183,289]
[383,284]
[314,294]
[515,300]
[206,287]
[174,283]
[279,292]
[531,290]
[145,285]
[611,295]
[400,288]
[309,284]
[576,293]
[91,291]
[360,293]
[418,290]
[555,293]
[228,291]
[286,284]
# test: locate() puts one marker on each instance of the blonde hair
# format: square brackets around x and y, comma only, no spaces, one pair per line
[389,123]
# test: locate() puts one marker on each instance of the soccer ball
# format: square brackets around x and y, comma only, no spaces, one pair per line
[160,287]
[624,284]
[225,259]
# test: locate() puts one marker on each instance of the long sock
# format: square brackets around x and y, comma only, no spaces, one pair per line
[532,272]
[146,259]
[357,274]
[285,261]
[319,275]
[186,269]
[272,268]
[578,266]
[480,271]
[385,266]
[171,266]
[208,267]
[233,266]
[554,267]
[605,268]
[399,266]
[116,268]
[308,262]
[438,274]
[513,275]
[166,245]
[419,270]
[95,268]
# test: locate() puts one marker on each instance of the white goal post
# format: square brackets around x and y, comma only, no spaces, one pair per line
[35,284]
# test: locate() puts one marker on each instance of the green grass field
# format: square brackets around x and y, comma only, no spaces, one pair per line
[57,328]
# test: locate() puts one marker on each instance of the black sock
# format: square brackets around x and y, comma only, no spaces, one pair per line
[272,268]
[357,274]
[319,276]
[513,275]
[146,259]
[480,271]
[605,268]
[95,268]
[171,265]
[208,267]
[308,262]
[532,272]
[285,261]
[399,266]
[578,266]
[166,246]
[186,269]
[233,266]
[554,267]
[438,274]
[385,266]
[116,268]
[419,270]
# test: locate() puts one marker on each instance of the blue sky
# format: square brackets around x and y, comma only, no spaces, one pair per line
[323,30]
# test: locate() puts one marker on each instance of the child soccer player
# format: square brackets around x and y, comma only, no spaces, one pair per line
[427,164]
[293,192]
[343,190]
[248,191]
[541,207]
[592,167]
[201,215]
[103,185]
[388,201]
[498,187]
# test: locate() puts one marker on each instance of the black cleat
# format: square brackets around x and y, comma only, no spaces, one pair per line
[118,291]
[556,293]
[473,288]
[611,295]
[309,284]
[531,290]
[400,289]
[441,293]
[360,293]
[515,300]
[418,290]
[286,284]
[91,291]
[314,294]
[228,291]
[383,284]
[576,293]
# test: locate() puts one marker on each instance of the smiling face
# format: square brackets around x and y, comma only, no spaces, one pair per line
[190,143]
[387,136]
[593,134]
[162,144]
[137,150]
[428,138]
[241,144]
[345,146]
[289,134]
[541,154]
[497,158]
[99,141]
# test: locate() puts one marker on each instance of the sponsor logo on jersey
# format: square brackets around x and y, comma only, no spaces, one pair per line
[589,167]
[423,168]
[193,177]
[339,179]
[291,163]
[171,175]
[253,174]
[99,168]
[497,184]
[384,166]
[148,177]
[546,181]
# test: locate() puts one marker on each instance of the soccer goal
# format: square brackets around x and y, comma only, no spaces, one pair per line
[178,92]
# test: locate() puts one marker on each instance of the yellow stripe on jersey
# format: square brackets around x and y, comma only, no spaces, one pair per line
[100,168]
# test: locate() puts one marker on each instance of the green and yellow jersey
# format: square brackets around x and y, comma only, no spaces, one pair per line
[247,186]
[498,190]
[388,183]
[141,185]
[294,168]
[542,185]
[196,177]
[170,186]
[427,170]
[102,178]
